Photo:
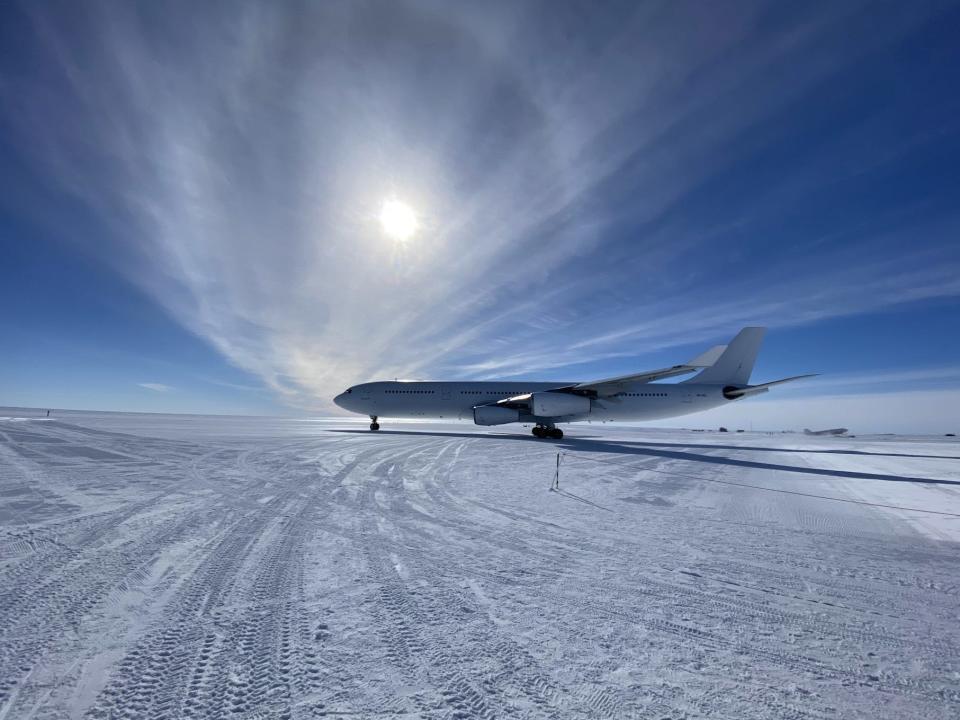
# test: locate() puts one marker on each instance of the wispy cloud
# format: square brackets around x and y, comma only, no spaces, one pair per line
[156,387]
[716,313]
[883,380]
[238,165]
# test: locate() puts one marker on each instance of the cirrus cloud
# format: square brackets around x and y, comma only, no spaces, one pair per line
[237,157]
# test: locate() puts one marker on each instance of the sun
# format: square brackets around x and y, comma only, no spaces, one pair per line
[398,220]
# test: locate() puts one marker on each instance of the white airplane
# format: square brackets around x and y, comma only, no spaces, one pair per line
[831,431]
[724,377]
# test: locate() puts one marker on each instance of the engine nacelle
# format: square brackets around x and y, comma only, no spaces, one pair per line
[494,415]
[555,404]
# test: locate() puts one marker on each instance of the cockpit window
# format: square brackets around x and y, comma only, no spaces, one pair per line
[349,390]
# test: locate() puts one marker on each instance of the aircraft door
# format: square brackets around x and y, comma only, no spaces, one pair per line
[446,401]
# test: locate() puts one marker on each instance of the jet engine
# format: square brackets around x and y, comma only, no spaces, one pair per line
[555,404]
[494,415]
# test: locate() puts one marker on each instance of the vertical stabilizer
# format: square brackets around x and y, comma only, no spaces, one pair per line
[734,366]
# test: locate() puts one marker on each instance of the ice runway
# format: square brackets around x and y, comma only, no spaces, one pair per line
[189,567]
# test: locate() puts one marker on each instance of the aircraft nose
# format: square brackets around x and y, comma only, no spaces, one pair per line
[348,400]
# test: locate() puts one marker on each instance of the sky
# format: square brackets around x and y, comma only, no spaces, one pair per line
[190,199]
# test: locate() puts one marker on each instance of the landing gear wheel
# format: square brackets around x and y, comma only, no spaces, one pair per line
[374,425]
[555,433]
[538,431]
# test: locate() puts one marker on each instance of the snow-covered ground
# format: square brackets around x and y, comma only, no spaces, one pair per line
[193,567]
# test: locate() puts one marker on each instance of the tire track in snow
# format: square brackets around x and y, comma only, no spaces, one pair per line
[412,618]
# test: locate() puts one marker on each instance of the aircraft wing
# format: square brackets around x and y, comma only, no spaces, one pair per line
[611,386]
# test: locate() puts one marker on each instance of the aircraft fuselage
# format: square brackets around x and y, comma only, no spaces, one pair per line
[457,400]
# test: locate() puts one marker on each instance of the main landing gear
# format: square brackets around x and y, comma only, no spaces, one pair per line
[374,425]
[542,431]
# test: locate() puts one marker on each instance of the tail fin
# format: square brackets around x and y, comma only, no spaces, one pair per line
[734,366]
[705,360]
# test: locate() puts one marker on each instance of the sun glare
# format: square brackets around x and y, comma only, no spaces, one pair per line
[398,220]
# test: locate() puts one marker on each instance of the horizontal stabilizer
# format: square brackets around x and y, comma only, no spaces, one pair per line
[732,393]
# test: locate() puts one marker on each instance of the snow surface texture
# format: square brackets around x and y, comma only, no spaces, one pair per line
[197,567]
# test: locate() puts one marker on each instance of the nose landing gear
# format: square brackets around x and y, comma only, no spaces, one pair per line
[542,431]
[374,425]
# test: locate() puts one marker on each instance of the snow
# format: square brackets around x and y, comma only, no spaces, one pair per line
[178,566]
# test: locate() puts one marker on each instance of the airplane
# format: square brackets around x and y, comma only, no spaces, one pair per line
[724,377]
[831,431]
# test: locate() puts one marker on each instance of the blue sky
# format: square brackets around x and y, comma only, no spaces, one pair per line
[189,198]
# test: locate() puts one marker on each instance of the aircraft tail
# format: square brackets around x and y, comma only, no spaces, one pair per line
[734,366]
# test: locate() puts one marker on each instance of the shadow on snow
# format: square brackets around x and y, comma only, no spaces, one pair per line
[661,450]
